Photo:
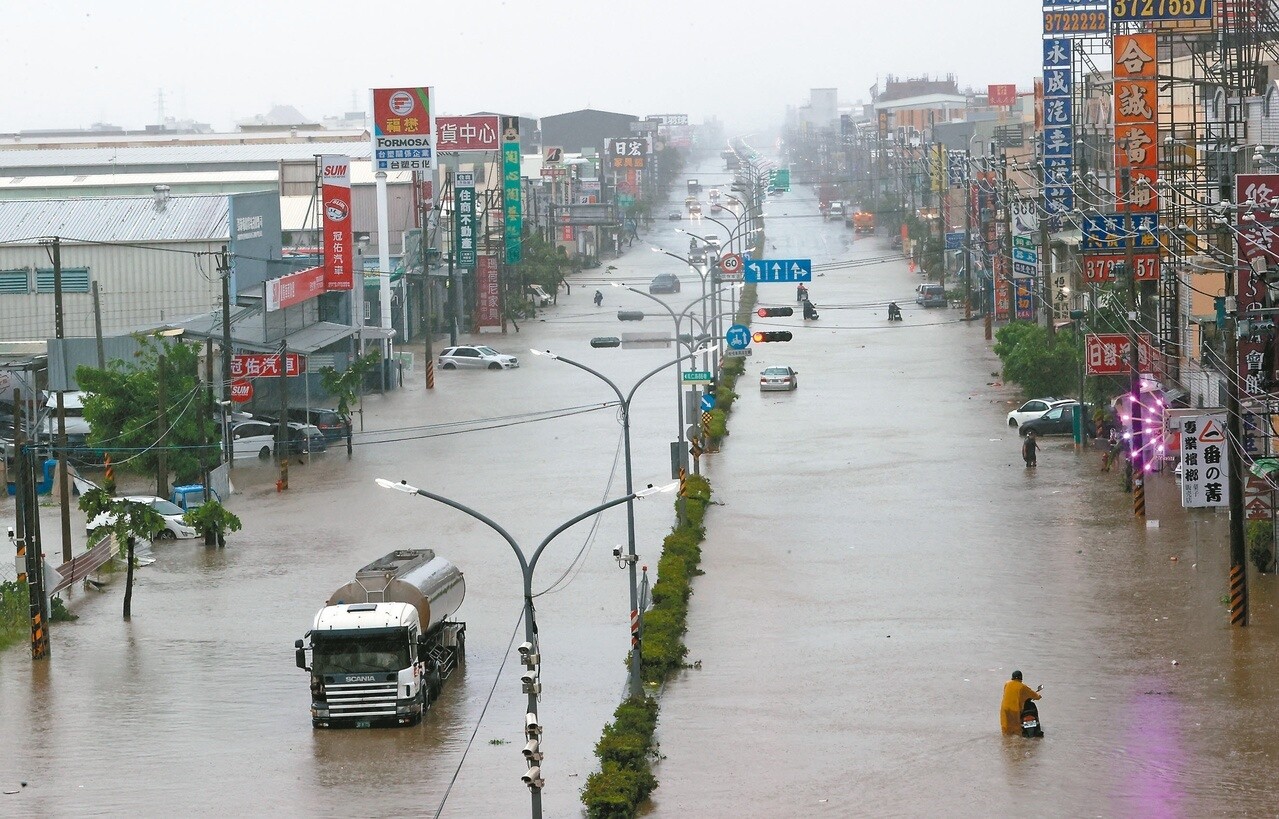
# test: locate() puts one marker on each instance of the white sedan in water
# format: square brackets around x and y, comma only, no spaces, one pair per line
[174,525]
[778,378]
[1032,409]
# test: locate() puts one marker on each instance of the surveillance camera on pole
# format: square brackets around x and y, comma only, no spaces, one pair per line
[528,655]
[533,778]
[532,752]
[530,682]
[532,729]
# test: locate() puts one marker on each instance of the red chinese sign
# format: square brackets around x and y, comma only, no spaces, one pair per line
[1001,95]
[339,239]
[294,288]
[1136,135]
[266,365]
[488,292]
[1101,267]
[1107,354]
[1258,249]
[467,134]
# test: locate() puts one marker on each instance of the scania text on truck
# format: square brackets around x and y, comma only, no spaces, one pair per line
[383,645]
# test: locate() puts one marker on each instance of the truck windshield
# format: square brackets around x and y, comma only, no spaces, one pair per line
[355,655]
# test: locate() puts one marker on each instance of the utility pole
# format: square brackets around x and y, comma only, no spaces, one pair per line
[1045,264]
[30,552]
[968,235]
[224,270]
[162,455]
[282,447]
[208,414]
[1238,580]
[97,327]
[64,488]
[1006,187]
[427,307]
[1136,469]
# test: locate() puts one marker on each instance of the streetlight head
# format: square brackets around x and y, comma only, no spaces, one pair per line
[402,486]
[653,490]
[657,250]
[546,353]
[617,284]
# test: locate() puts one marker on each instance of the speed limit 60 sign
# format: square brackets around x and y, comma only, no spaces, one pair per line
[730,266]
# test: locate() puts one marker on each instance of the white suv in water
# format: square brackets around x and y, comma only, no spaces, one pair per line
[477,357]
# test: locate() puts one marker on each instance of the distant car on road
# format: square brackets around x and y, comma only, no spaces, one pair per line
[664,283]
[1059,421]
[1032,409]
[306,439]
[778,378]
[477,357]
[174,526]
[674,216]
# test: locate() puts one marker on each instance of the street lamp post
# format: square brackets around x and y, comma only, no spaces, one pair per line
[624,401]
[529,651]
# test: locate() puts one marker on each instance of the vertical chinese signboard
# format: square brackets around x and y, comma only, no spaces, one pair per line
[339,239]
[1059,132]
[1025,225]
[512,204]
[1257,239]
[1205,469]
[1136,139]
[403,129]
[464,220]
[488,294]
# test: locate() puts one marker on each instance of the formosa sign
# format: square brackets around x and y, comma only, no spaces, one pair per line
[339,239]
[403,129]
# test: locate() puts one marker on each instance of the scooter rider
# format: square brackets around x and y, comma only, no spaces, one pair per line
[894,312]
[1016,693]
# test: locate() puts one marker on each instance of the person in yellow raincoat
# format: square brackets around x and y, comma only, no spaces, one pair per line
[1016,693]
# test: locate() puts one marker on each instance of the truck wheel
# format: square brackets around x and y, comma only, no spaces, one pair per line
[432,688]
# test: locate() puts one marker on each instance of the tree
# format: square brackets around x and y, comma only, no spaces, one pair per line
[345,386]
[212,520]
[126,521]
[1029,361]
[122,407]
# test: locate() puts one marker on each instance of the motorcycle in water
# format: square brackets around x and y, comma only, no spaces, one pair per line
[894,312]
[810,311]
[1030,725]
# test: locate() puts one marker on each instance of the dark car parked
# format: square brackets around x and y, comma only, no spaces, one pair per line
[326,420]
[1060,421]
[664,283]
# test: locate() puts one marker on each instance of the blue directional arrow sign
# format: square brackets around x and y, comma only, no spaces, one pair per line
[738,337]
[778,270]
[708,402]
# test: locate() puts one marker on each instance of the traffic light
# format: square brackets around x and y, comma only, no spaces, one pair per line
[606,341]
[630,315]
[772,335]
[769,312]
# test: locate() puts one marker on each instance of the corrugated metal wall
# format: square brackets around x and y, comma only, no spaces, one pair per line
[138,286]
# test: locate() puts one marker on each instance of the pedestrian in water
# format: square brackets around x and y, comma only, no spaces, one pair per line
[1029,448]
[1016,693]
[599,298]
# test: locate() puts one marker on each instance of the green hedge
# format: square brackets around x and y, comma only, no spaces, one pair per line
[626,748]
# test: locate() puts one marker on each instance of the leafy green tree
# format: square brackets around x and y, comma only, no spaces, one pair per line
[1030,362]
[122,408]
[127,521]
[345,386]
[212,520]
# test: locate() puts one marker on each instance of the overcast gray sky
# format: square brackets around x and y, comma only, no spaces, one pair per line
[76,62]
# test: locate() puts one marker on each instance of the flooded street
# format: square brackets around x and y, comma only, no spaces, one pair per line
[880,563]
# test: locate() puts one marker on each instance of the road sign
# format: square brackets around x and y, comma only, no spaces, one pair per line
[708,402]
[746,353]
[780,179]
[738,337]
[779,270]
[695,376]
[730,264]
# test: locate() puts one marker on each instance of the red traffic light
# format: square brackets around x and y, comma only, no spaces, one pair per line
[771,335]
[769,312]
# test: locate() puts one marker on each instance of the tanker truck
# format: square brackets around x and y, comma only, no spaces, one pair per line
[383,645]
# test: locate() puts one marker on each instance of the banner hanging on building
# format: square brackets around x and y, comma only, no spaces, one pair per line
[1257,248]
[403,129]
[464,220]
[512,202]
[1107,354]
[294,288]
[488,294]
[1205,469]
[339,238]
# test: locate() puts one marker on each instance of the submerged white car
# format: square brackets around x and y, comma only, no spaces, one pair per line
[174,525]
[478,357]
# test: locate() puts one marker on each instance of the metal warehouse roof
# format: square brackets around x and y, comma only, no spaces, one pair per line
[185,157]
[117,219]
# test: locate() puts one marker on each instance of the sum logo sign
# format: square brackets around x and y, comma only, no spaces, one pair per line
[334,170]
